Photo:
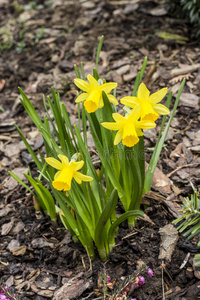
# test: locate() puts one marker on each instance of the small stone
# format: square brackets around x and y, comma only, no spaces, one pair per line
[130,8]
[124,69]
[189,100]
[6,228]
[40,243]
[10,183]
[66,66]
[88,4]
[5,211]
[14,244]
[186,141]
[196,140]
[130,76]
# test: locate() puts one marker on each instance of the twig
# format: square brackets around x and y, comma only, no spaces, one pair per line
[163,288]
[180,167]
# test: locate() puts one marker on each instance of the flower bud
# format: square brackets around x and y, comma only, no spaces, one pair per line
[141,280]
[150,272]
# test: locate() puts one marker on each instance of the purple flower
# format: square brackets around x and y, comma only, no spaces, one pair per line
[141,280]
[4,297]
[133,299]
[150,272]
[108,279]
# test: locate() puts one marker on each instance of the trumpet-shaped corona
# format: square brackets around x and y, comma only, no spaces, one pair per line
[93,93]
[129,128]
[149,104]
[67,171]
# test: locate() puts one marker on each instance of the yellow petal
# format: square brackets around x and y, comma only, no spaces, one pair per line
[147,111]
[63,180]
[158,96]
[130,140]
[79,177]
[117,117]
[76,165]
[145,124]
[118,137]
[143,92]
[161,109]
[112,99]
[90,106]
[54,163]
[130,101]
[108,87]
[92,80]
[135,114]
[81,97]
[129,130]
[112,125]
[58,185]
[101,103]
[92,102]
[139,131]
[64,159]
[56,175]
[82,85]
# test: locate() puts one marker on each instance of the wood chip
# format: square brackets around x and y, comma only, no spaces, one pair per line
[6,228]
[185,70]
[169,238]
[19,251]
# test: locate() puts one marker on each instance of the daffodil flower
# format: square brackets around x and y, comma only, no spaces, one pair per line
[67,171]
[129,128]
[150,108]
[93,93]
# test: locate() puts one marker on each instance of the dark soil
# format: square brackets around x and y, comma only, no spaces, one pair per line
[39,47]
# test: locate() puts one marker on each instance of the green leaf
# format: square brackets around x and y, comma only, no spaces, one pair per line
[30,150]
[45,196]
[99,50]
[100,231]
[30,109]
[95,74]
[21,182]
[139,77]
[155,157]
[122,218]
[77,71]
[82,71]
[66,211]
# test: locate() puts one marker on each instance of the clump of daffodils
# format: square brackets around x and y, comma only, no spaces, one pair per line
[86,199]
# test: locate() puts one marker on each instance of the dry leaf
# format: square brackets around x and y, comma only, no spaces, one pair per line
[169,238]
[19,251]
[6,228]
[180,78]
[2,84]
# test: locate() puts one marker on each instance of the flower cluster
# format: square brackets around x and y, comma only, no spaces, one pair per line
[145,108]
[145,111]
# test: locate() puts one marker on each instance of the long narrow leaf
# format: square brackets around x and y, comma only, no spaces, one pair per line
[154,160]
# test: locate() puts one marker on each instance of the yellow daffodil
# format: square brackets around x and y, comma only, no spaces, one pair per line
[93,93]
[150,108]
[129,128]
[67,171]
